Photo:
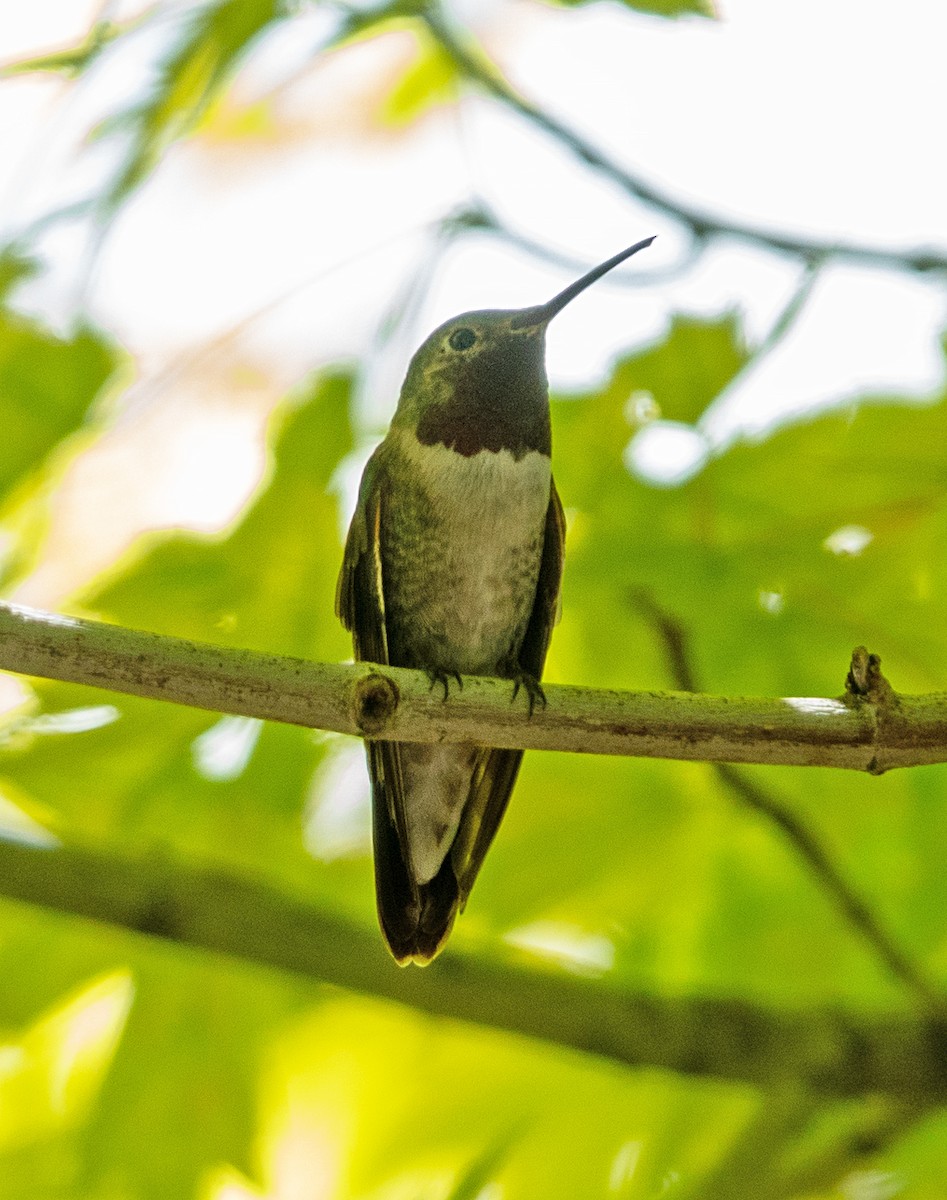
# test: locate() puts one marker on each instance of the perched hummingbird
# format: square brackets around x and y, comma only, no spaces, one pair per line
[452,565]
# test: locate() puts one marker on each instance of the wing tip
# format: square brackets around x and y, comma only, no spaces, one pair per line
[422,947]
[416,932]
[416,957]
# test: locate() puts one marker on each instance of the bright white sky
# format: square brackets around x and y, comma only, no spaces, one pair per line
[795,114]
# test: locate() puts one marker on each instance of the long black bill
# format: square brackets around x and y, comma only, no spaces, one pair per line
[542,314]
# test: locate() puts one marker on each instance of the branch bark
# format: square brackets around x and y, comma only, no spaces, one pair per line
[868,729]
[828,1051]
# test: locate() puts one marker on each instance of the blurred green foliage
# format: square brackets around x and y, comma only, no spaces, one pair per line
[206,43]
[661,8]
[47,385]
[136,1070]
[431,78]
[49,389]
[645,873]
[206,48]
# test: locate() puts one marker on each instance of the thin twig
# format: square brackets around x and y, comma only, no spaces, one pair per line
[853,908]
[785,319]
[478,216]
[470,61]
[790,312]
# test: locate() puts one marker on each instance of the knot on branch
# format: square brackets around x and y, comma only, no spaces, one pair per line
[867,688]
[865,681]
[375,701]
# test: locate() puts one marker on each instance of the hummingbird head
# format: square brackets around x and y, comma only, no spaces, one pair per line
[479,380]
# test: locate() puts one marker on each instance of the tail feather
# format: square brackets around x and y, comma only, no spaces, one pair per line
[416,919]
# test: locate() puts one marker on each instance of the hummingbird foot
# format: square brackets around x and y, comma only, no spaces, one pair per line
[438,677]
[530,685]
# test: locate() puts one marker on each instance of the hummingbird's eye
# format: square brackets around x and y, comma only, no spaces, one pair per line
[462,339]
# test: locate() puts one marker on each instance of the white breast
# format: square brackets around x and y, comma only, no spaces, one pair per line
[487,529]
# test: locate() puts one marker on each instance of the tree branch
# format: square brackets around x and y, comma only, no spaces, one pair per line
[831,1052]
[478,216]
[873,732]
[475,67]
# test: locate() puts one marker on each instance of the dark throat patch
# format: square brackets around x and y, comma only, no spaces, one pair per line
[498,401]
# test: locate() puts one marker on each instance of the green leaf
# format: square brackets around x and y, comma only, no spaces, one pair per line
[47,386]
[638,874]
[213,40]
[179,1094]
[270,583]
[72,61]
[15,267]
[687,888]
[429,1108]
[430,80]
[53,1071]
[176,777]
[180,1097]
[658,8]
[683,374]
[185,1076]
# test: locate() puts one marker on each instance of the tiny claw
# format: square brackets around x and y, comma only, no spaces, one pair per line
[439,677]
[531,686]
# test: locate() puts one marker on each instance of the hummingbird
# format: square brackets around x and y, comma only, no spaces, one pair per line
[452,565]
